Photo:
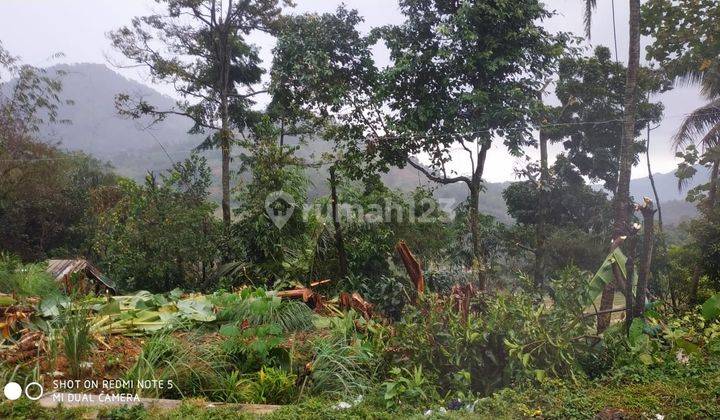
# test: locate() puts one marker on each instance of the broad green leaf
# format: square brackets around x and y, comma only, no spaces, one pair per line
[646,359]
[50,306]
[196,309]
[636,331]
[711,308]
[604,275]
[175,294]
[686,345]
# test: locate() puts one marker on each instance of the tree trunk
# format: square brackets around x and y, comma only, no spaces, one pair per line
[712,194]
[622,194]
[539,269]
[474,220]
[648,213]
[225,131]
[339,242]
[225,149]
[652,181]
[631,246]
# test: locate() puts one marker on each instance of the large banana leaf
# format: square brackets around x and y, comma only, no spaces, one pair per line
[196,308]
[605,275]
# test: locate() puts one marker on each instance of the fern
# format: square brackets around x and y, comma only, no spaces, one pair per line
[266,310]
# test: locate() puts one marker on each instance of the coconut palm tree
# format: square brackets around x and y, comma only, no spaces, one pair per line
[702,128]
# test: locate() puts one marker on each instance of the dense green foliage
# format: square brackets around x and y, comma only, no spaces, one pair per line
[312,300]
[589,120]
[162,234]
[46,199]
[25,280]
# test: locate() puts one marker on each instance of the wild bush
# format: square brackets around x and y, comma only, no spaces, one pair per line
[340,369]
[249,349]
[501,338]
[25,280]
[442,278]
[77,340]
[269,386]
[257,307]
[388,293]
[184,368]
[407,387]
[161,234]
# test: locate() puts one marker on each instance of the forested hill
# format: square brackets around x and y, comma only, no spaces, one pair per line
[97,129]
[96,126]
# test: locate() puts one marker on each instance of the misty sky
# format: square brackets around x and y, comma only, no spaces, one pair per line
[36,29]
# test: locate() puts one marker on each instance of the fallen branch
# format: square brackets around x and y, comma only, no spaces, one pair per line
[412,265]
[603,312]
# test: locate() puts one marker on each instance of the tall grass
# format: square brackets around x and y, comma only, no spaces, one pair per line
[25,280]
[77,341]
[192,370]
[340,369]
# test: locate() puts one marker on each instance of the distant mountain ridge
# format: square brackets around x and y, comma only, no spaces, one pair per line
[97,129]
[95,124]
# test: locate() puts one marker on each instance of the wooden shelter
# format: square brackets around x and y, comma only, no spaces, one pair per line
[80,275]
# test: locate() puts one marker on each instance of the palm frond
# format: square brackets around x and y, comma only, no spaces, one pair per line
[712,138]
[710,86]
[697,124]
[682,184]
[590,6]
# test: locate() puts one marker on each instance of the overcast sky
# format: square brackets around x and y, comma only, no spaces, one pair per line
[36,29]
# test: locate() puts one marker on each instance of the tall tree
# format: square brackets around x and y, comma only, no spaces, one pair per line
[591,92]
[594,129]
[201,48]
[576,221]
[463,74]
[687,44]
[323,82]
[622,209]
[29,96]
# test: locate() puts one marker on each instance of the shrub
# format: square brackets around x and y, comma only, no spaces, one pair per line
[388,294]
[161,234]
[269,386]
[407,387]
[192,369]
[257,307]
[77,340]
[441,279]
[341,369]
[249,349]
[25,280]
[502,338]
